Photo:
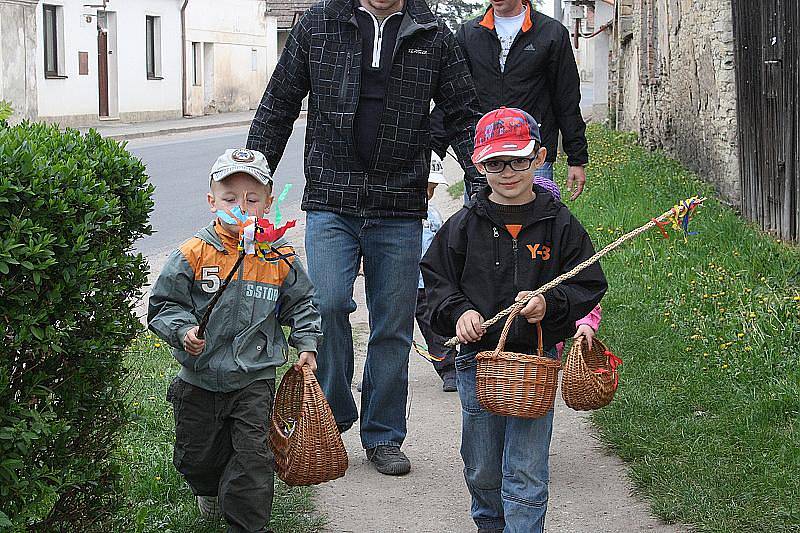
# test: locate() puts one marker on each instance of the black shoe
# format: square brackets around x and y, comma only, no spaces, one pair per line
[449,383]
[389,460]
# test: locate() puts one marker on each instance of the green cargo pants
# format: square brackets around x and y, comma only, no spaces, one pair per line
[222,449]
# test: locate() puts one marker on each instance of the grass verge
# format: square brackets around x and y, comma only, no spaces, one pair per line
[708,412]
[157,497]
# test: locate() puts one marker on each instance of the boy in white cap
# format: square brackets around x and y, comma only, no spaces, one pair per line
[223,395]
[436,343]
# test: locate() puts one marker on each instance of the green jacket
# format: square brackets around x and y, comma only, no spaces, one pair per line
[244,337]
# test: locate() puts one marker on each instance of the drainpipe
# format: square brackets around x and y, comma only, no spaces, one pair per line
[184,94]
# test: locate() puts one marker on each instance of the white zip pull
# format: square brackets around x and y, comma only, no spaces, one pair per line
[377,41]
[496,234]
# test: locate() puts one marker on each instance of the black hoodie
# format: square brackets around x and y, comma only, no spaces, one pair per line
[475,263]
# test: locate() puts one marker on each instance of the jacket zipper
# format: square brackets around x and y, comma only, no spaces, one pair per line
[238,302]
[377,46]
[515,248]
[496,248]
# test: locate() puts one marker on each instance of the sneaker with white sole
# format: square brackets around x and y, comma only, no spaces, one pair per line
[209,507]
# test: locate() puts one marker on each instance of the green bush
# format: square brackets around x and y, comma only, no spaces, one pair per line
[71,207]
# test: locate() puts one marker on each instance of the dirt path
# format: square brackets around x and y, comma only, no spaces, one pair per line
[589,490]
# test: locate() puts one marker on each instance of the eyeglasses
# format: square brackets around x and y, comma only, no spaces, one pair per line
[496,166]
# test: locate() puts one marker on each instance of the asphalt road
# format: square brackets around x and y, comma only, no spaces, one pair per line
[178,166]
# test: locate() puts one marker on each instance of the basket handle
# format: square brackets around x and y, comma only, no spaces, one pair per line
[502,342]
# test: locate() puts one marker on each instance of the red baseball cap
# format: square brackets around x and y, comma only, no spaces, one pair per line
[505,131]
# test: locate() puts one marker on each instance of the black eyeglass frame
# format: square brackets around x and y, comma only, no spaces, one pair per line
[511,163]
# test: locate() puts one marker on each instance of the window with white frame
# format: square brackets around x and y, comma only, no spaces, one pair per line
[253,59]
[153,46]
[53,33]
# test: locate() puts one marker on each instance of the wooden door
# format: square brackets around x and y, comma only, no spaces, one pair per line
[102,71]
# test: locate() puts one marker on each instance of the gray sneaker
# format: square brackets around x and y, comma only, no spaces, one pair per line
[209,507]
[389,460]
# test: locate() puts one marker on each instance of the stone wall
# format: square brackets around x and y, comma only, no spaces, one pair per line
[672,81]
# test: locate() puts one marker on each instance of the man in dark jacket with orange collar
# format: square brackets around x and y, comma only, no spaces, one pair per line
[522,58]
[370,69]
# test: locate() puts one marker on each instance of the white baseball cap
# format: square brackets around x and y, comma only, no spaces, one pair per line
[235,160]
[436,174]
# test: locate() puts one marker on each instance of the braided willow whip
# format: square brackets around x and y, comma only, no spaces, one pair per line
[676,212]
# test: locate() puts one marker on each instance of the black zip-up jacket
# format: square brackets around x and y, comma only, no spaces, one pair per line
[322,58]
[540,77]
[474,263]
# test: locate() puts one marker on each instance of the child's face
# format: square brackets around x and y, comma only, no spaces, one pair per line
[511,186]
[252,196]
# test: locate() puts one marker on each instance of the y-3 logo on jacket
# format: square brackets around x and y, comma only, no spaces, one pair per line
[539,251]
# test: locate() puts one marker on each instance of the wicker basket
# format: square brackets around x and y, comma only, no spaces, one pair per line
[590,376]
[304,438]
[513,384]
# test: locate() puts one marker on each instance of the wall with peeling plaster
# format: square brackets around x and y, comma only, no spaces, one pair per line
[672,81]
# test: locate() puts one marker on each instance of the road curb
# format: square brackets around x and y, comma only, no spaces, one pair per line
[169,131]
[179,129]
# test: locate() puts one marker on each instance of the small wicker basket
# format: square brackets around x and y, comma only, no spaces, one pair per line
[304,438]
[514,384]
[590,376]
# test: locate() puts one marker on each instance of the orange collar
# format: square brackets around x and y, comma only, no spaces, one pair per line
[488,19]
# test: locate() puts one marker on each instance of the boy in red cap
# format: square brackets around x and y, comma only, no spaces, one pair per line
[513,236]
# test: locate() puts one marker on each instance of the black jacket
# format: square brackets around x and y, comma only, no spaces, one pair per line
[540,77]
[474,263]
[322,58]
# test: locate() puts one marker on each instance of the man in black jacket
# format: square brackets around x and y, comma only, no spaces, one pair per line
[522,58]
[371,69]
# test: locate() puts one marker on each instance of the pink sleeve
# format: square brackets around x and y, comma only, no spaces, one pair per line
[592,319]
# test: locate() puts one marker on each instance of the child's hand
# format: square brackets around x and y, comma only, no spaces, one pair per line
[192,344]
[468,327]
[306,358]
[533,310]
[587,332]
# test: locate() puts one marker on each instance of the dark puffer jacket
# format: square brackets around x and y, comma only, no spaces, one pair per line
[323,58]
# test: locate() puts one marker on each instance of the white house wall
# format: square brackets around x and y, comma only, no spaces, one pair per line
[230,35]
[74,99]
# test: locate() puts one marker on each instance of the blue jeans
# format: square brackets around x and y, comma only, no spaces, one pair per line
[390,248]
[544,171]
[505,461]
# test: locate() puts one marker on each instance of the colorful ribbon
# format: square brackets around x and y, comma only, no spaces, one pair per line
[423,351]
[679,217]
[613,363]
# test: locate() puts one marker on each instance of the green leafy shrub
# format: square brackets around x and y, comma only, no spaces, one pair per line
[71,207]
[5,112]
